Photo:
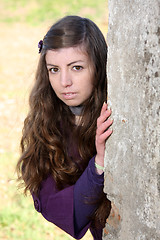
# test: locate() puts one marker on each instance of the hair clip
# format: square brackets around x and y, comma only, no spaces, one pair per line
[40,45]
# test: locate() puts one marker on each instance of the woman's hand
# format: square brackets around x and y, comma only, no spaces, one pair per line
[102,133]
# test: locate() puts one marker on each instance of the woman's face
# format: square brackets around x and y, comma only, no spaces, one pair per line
[71,74]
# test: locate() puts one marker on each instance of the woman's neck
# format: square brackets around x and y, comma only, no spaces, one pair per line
[76,110]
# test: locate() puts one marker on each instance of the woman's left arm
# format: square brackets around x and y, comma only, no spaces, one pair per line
[92,180]
[87,191]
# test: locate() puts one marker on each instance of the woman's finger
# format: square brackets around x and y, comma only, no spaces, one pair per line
[104,126]
[104,108]
[102,118]
[102,138]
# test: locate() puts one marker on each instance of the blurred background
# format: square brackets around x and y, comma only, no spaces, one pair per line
[22,24]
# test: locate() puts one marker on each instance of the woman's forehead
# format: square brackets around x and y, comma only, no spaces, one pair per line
[76,53]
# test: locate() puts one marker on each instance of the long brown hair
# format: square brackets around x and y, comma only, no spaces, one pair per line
[44,141]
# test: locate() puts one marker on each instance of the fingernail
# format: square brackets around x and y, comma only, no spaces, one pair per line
[104,104]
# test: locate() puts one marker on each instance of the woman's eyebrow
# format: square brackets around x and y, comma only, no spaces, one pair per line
[53,65]
[74,62]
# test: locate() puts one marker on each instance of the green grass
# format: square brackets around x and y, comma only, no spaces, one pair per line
[36,11]
[18,221]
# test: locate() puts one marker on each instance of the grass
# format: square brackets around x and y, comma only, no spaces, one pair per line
[22,25]
[36,11]
[18,220]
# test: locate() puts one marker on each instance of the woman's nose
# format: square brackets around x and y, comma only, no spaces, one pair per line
[66,79]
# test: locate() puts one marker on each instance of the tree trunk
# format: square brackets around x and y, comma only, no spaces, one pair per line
[132,162]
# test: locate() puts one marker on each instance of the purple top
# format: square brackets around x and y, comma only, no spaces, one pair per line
[66,208]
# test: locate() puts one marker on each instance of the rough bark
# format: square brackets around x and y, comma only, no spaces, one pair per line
[132,162]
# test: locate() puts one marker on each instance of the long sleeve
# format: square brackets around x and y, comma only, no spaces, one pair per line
[65,208]
[87,190]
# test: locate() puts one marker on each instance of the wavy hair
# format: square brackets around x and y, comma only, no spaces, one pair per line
[44,143]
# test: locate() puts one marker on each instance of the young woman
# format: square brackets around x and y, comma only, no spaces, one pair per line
[64,134]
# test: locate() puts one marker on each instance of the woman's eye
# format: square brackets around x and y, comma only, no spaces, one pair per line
[77,68]
[54,70]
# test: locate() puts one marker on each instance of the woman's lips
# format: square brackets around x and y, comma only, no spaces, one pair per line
[69,95]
